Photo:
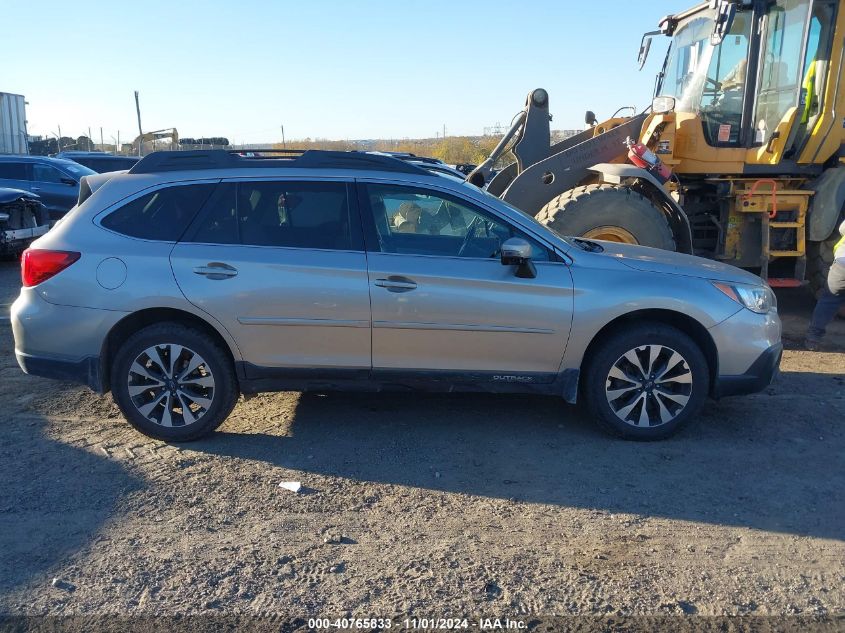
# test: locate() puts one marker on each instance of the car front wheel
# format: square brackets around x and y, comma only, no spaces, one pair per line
[173,383]
[645,382]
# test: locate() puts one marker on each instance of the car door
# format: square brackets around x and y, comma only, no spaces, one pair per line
[57,190]
[280,263]
[443,303]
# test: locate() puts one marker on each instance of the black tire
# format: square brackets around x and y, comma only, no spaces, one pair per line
[596,381]
[819,260]
[591,207]
[222,395]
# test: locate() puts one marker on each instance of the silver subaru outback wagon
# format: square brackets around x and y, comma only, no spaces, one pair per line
[198,276]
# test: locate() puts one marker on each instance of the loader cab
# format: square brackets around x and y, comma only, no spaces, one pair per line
[746,78]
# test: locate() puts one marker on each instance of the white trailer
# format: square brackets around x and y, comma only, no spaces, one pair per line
[13,124]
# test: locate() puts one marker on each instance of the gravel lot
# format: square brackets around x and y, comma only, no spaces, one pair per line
[431,505]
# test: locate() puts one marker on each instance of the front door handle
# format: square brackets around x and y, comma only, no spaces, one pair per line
[395,283]
[216,270]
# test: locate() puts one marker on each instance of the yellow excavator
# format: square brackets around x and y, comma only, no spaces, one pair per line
[741,156]
[160,139]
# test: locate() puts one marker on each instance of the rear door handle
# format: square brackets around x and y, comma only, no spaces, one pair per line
[396,284]
[216,270]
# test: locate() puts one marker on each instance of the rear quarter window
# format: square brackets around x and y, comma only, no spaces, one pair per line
[161,215]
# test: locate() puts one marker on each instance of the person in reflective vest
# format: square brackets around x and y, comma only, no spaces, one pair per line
[832,297]
[810,99]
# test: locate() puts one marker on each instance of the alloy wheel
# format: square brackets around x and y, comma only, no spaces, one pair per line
[649,386]
[171,385]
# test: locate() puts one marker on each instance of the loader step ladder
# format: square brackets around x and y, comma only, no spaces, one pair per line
[764,197]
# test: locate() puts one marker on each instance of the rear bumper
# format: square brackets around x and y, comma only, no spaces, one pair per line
[758,377]
[85,371]
[60,341]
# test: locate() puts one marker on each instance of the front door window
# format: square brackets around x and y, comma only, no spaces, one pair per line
[419,222]
[46,173]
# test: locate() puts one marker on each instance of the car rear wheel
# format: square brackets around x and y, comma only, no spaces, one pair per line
[645,382]
[173,383]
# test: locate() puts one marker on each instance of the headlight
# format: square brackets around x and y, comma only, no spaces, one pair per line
[759,299]
[662,105]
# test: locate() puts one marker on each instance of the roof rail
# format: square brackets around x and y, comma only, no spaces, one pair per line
[251,158]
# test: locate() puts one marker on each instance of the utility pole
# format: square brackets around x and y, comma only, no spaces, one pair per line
[101,138]
[140,132]
[444,130]
[118,142]
[89,138]
[284,145]
[60,138]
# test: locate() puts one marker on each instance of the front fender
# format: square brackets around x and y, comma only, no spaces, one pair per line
[622,173]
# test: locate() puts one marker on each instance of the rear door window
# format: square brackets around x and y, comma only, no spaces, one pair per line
[14,171]
[287,214]
[163,214]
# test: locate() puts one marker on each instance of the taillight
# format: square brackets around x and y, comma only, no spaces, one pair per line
[39,265]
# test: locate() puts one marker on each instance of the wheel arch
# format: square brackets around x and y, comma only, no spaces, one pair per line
[131,323]
[683,322]
[645,184]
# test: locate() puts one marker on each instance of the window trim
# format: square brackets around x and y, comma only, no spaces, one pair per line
[356,236]
[98,218]
[371,237]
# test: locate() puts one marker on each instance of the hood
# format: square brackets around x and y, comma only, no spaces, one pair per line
[10,195]
[655,260]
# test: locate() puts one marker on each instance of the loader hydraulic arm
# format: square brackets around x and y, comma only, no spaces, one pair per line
[533,138]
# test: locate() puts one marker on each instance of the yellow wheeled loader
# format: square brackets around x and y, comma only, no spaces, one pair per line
[748,117]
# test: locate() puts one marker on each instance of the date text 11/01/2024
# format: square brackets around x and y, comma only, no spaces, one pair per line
[482,624]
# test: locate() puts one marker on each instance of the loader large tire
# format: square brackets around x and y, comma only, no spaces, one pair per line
[609,212]
[819,259]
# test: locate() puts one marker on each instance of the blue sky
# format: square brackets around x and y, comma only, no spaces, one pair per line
[323,68]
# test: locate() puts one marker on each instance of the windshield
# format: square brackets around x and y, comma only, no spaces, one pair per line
[498,200]
[709,80]
[76,169]
[687,58]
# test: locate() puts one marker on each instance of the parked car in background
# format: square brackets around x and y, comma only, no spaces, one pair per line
[54,180]
[22,219]
[431,164]
[197,276]
[100,161]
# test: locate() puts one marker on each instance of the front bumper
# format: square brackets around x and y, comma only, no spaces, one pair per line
[759,376]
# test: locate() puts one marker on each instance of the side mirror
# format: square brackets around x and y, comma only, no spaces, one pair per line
[517,252]
[590,118]
[69,181]
[645,47]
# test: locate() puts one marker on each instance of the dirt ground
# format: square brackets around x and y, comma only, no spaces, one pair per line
[447,505]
